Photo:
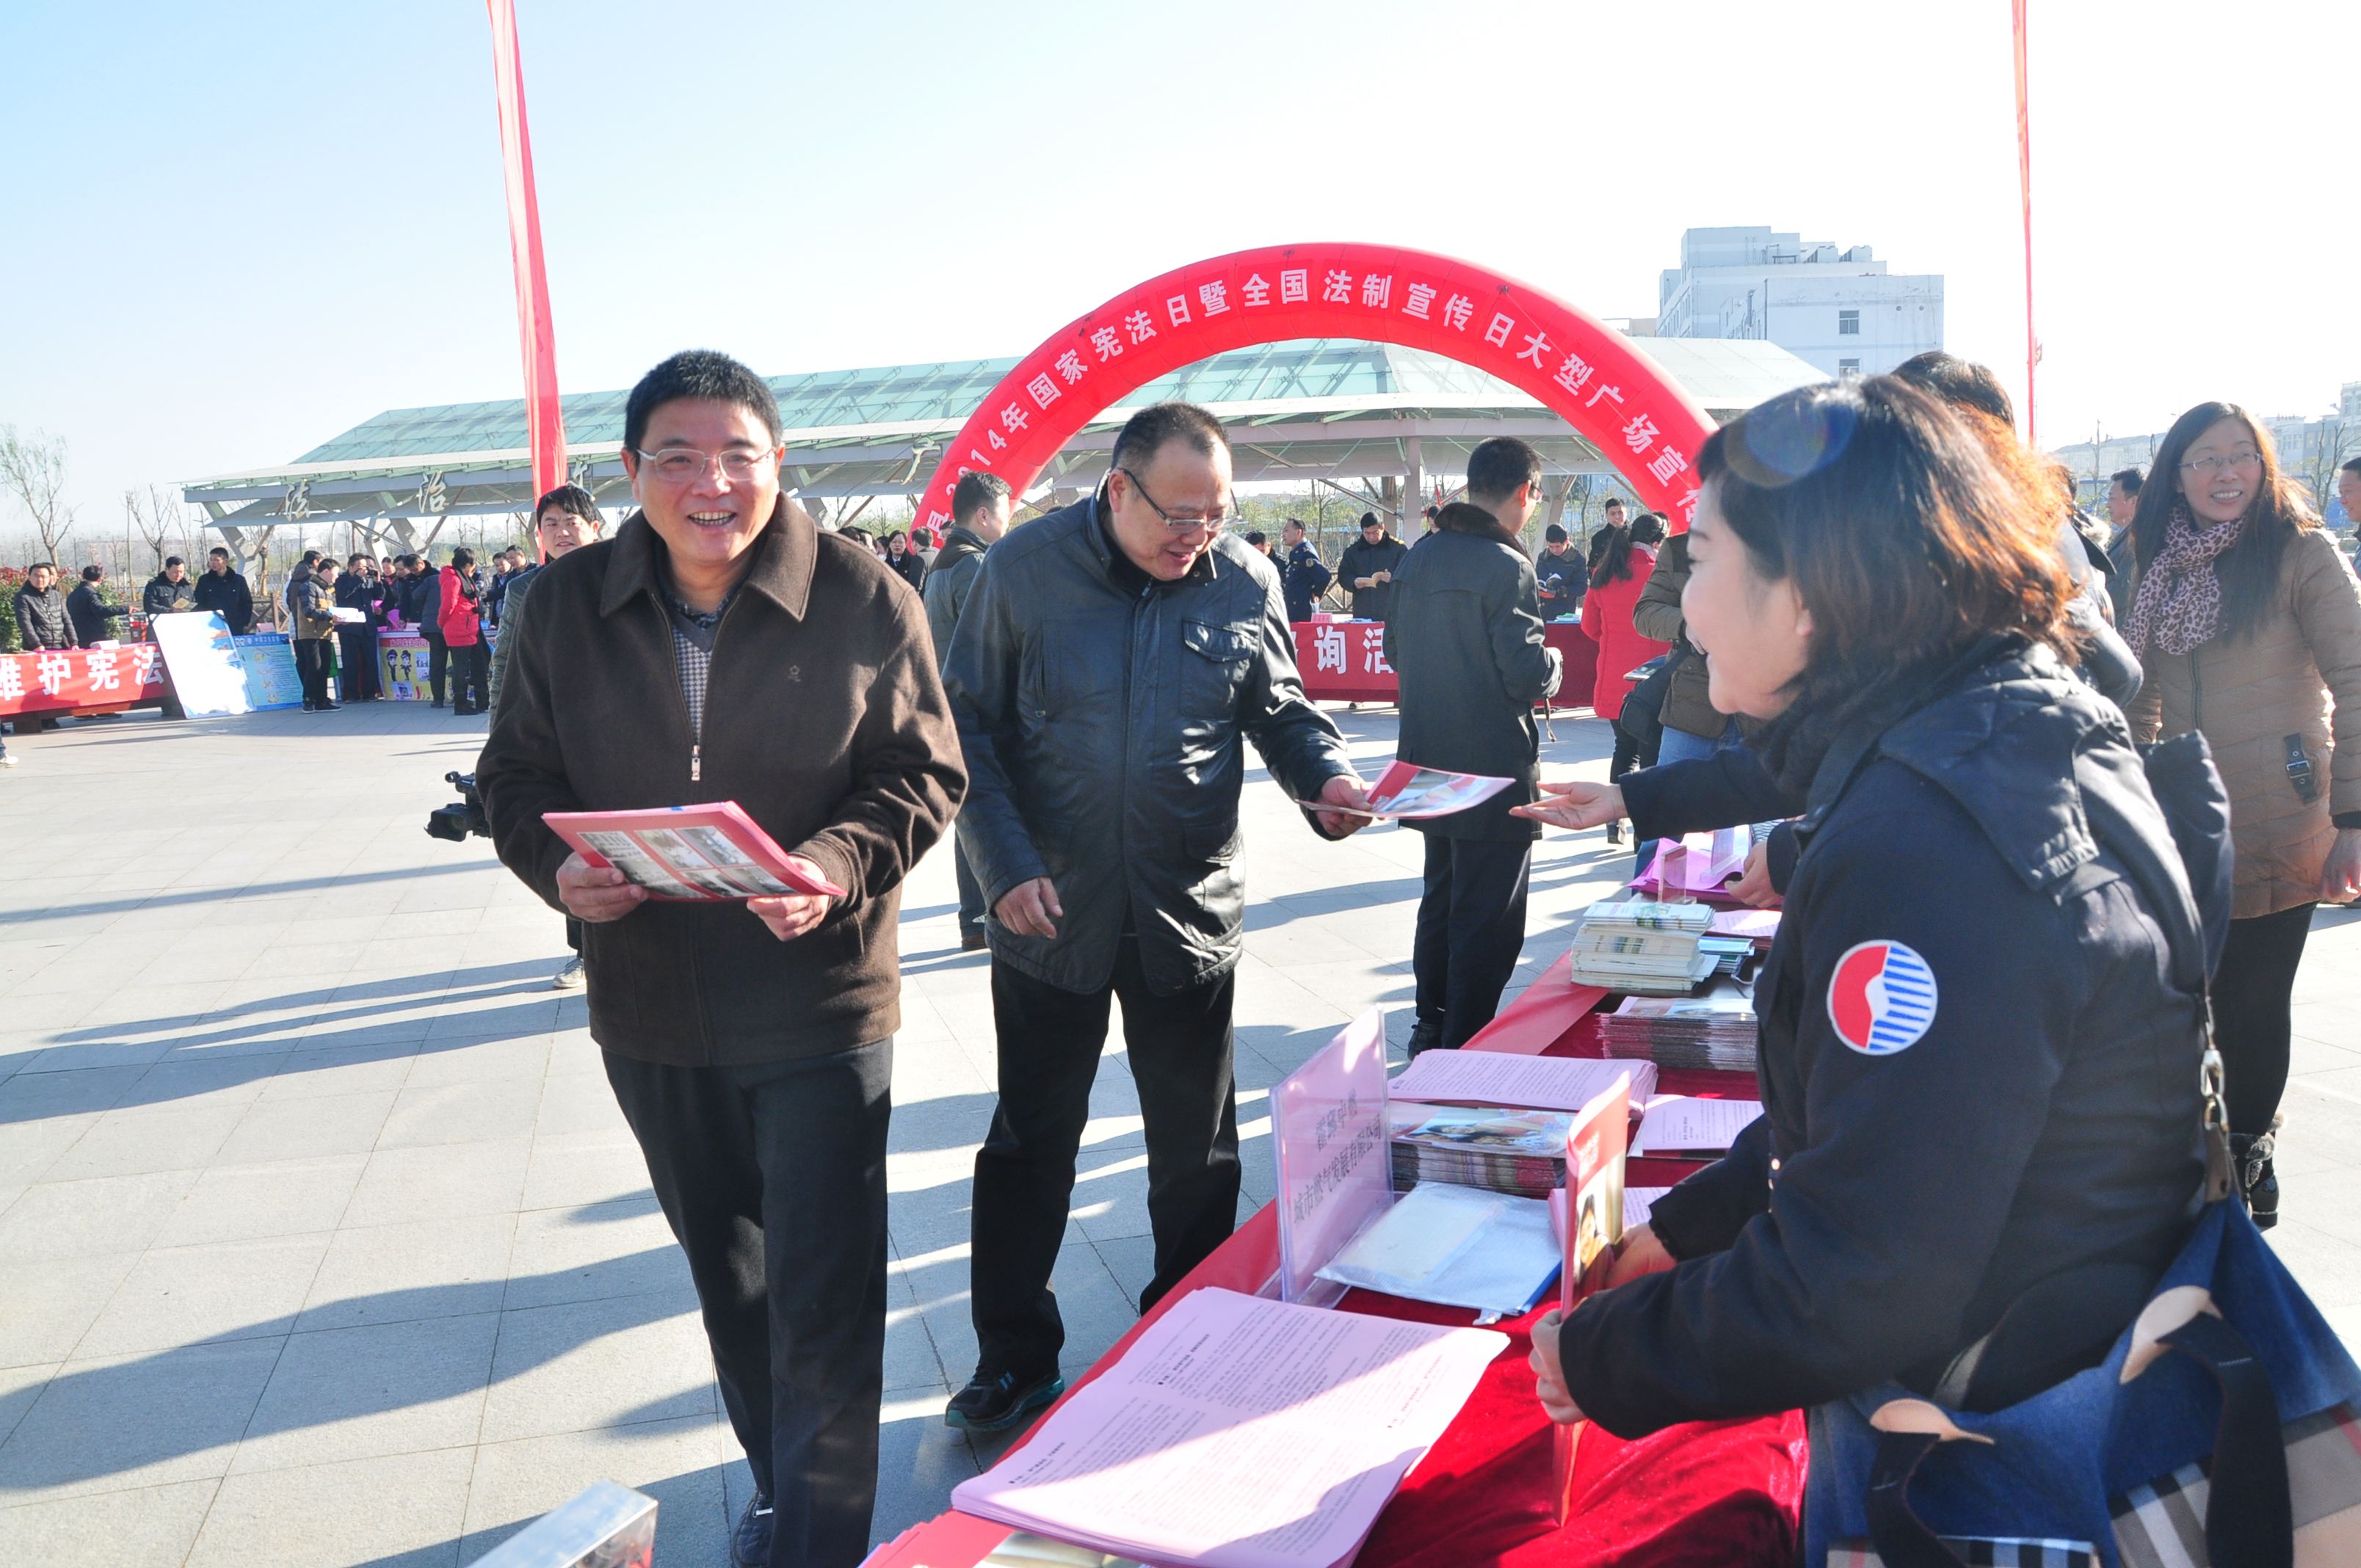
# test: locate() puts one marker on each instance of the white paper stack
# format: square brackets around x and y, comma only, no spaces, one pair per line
[1642,946]
[1239,1433]
[1509,1079]
[1677,1126]
[1456,1247]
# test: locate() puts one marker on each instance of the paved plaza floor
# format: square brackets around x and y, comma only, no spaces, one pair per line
[322,1241]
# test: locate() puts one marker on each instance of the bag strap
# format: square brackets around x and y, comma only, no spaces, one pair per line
[1901,1536]
[2249,1513]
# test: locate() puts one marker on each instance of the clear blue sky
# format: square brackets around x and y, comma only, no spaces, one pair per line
[234,230]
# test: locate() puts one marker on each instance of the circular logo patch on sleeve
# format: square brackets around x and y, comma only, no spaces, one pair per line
[1882,998]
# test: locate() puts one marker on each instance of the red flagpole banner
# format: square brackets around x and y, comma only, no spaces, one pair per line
[1600,382]
[544,418]
[2024,192]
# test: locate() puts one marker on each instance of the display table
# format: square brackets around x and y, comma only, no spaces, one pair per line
[1345,660]
[1725,1493]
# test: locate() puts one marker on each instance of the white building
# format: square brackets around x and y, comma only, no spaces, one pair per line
[2311,447]
[1841,310]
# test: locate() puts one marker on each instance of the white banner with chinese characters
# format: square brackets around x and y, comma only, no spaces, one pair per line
[63,681]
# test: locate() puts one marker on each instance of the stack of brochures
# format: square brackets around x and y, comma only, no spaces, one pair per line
[1645,947]
[1714,1030]
[1518,1152]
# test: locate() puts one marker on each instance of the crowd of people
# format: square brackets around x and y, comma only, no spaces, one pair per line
[2081,786]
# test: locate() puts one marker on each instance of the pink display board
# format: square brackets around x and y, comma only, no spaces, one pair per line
[1336,1174]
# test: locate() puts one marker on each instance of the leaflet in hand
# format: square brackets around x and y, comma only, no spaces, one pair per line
[691,853]
[1239,1433]
[1406,790]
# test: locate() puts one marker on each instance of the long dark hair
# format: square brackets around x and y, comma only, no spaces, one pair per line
[1610,556]
[2249,570]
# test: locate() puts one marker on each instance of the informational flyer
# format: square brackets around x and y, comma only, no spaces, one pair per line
[689,853]
[1405,790]
[267,660]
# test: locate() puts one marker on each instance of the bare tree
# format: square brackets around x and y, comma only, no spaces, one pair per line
[2328,443]
[33,470]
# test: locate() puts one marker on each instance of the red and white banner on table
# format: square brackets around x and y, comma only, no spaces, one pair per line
[544,416]
[64,680]
[1593,377]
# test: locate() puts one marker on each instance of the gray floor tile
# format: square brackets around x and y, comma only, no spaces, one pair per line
[425,1268]
[599,1364]
[579,1103]
[359,1393]
[307,1129]
[574,1170]
[86,1219]
[46,1307]
[619,1248]
[677,1463]
[286,1198]
[30,1150]
[152,1528]
[481,1061]
[444,1181]
[121,1422]
[461,1113]
[223,1290]
[399,1511]
[126,1143]
[20,1386]
[341,1070]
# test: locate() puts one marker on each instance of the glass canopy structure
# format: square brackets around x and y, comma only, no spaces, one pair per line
[1318,409]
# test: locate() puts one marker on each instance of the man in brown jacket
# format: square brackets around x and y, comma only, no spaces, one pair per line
[750,1043]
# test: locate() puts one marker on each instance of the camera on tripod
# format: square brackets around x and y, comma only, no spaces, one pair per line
[462,819]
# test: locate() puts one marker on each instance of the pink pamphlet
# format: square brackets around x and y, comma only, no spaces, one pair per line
[1698,862]
[1406,790]
[1336,1172]
[1590,1220]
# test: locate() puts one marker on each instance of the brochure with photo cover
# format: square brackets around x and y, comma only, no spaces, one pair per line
[689,853]
[1407,790]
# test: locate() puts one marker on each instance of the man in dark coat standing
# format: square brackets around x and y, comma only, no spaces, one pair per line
[980,508]
[1465,636]
[224,592]
[1367,567]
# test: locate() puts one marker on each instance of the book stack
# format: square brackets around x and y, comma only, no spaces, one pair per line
[1521,1153]
[1714,1030]
[1645,947]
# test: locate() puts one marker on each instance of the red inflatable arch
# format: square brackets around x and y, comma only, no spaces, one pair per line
[1588,373]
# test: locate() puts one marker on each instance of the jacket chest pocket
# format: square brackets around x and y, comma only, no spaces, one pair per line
[1214,662]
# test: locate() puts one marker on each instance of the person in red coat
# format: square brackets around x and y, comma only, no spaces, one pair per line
[1618,570]
[461,618]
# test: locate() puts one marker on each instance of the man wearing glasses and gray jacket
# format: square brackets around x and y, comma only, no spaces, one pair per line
[1108,668]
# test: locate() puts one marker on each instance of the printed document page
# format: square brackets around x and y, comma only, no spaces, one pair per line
[1239,1433]
[1497,1078]
[1676,1125]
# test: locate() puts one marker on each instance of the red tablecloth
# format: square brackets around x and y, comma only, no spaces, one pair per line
[1345,660]
[1722,1493]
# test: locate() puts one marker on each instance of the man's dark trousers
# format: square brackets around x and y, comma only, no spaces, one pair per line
[1180,1048]
[438,660]
[971,893]
[1471,926]
[773,1179]
[312,669]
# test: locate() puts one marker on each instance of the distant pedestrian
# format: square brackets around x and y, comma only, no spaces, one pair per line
[1368,566]
[310,630]
[421,605]
[1561,574]
[93,616]
[2122,505]
[980,508]
[223,590]
[904,557]
[1302,576]
[1625,563]
[459,611]
[1259,542]
[356,639]
[42,621]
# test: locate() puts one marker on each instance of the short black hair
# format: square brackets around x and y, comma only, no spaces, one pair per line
[1962,383]
[1372,520]
[1294,522]
[706,375]
[172,560]
[1256,537]
[2350,465]
[350,560]
[40,566]
[1145,433]
[1432,510]
[977,492]
[572,500]
[462,558]
[94,573]
[2129,478]
[1499,467]
[1553,534]
[220,551]
[1614,503]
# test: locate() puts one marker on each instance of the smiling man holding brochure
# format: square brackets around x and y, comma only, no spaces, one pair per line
[721,648]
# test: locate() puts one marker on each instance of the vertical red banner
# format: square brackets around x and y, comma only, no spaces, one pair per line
[545,417]
[2025,194]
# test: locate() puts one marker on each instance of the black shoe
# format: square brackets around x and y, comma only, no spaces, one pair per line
[2250,1158]
[971,940]
[1425,1037]
[328,706]
[436,703]
[310,707]
[1615,832]
[750,1544]
[998,1402]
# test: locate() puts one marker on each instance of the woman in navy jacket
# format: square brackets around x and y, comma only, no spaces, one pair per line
[1980,1052]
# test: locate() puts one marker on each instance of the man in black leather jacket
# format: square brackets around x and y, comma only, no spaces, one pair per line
[1465,635]
[1107,669]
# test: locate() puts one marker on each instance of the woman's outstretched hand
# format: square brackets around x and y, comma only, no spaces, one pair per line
[1574,805]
